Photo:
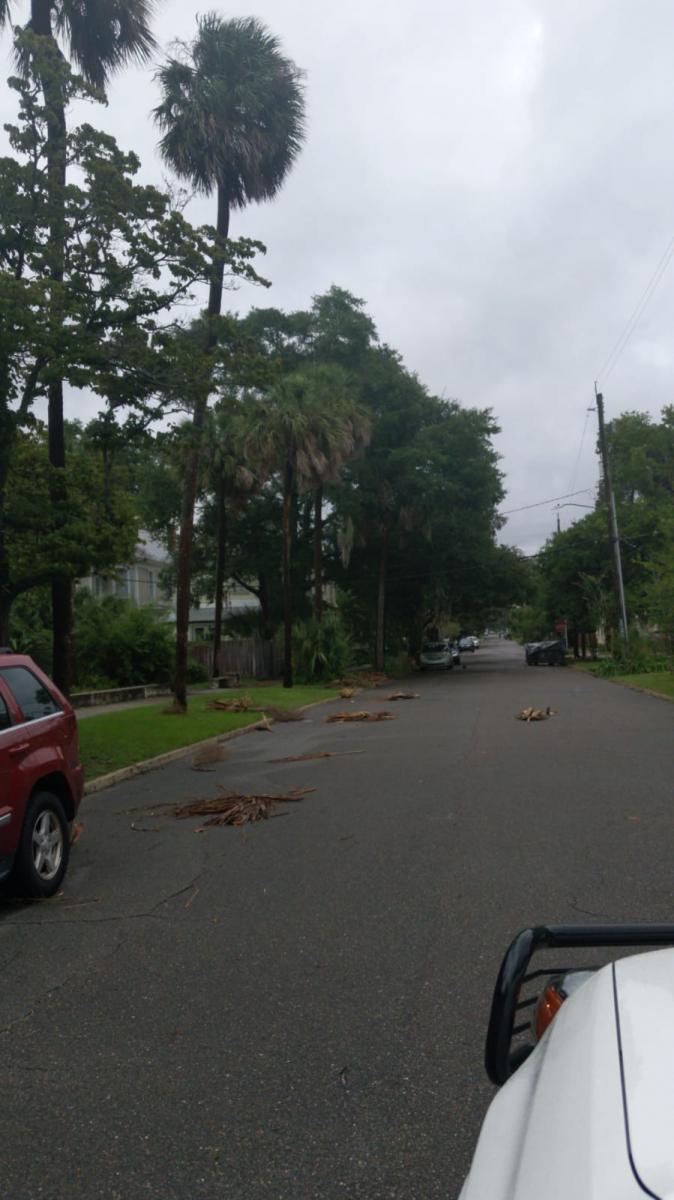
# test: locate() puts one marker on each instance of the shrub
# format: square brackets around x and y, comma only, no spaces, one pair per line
[641,658]
[321,649]
[122,642]
[196,672]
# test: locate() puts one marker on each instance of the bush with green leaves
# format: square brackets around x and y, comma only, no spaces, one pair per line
[642,657]
[121,642]
[321,649]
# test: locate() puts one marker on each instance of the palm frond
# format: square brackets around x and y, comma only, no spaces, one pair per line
[104,35]
[5,12]
[232,110]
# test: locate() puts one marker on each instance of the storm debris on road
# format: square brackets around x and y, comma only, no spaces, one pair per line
[293,758]
[237,808]
[403,696]
[207,755]
[360,716]
[534,714]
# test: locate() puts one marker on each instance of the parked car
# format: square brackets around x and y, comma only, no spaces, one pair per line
[456,656]
[436,655]
[585,1061]
[41,777]
[467,642]
[550,654]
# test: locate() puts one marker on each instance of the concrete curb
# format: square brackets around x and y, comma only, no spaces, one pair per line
[161,760]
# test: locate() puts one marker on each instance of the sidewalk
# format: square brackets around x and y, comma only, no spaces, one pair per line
[96,710]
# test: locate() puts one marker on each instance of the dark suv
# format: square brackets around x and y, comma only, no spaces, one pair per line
[41,777]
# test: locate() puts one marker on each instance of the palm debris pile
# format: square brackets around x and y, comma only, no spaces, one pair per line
[236,704]
[207,755]
[360,716]
[534,714]
[403,696]
[236,808]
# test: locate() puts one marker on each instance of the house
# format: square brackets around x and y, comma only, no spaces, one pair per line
[141,581]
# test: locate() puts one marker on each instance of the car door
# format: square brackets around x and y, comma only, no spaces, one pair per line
[35,745]
[12,740]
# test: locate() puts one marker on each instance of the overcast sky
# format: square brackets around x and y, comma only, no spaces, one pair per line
[496,181]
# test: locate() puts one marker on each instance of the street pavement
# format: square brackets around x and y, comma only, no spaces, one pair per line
[296,1010]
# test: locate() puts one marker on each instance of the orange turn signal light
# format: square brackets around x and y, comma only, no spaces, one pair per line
[547,1008]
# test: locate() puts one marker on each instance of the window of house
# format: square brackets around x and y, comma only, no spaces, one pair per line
[31,695]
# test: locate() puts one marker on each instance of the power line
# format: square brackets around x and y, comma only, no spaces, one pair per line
[550,500]
[637,313]
[580,448]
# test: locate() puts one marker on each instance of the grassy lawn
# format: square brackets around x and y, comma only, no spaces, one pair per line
[118,739]
[661,682]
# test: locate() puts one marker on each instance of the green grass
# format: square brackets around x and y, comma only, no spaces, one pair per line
[119,739]
[661,682]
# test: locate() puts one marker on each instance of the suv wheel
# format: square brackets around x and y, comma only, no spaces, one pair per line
[44,849]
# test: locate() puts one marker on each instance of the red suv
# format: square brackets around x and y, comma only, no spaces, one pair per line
[41,777]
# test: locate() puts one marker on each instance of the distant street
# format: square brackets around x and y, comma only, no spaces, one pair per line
[297,1009]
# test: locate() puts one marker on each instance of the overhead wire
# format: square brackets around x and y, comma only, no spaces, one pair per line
[641,306]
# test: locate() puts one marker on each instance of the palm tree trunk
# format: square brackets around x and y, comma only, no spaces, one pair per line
[219,570]
[381,604]
[191,476]
[318,554]
[62,608]
[288,492]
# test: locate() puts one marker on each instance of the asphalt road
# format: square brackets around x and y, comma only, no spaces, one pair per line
[297,1009]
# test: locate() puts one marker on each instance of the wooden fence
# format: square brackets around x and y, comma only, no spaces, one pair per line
[253,658]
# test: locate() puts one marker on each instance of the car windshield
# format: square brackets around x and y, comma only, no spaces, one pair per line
[434,647]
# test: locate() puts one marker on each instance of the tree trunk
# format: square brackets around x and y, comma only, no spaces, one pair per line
[318,554]
[191,475]
[52,91]
[219,570]
[288,494]
[381,604]
[5,609]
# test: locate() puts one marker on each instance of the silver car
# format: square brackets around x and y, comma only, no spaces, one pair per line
[436,655]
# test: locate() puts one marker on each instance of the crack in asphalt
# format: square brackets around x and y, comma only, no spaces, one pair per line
[140,916]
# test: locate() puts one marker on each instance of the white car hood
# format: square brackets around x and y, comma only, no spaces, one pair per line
[645,1005]
[557,1128]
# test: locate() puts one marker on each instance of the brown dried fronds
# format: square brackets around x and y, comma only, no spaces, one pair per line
[282,714]
[207,755]
[237,808]
[236,704]
[360,716]
[347,692]
[403,696]
[534,714]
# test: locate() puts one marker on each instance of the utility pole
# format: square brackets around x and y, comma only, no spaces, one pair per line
[612,518]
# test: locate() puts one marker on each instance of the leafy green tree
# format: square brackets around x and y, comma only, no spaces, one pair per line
[100,38]
[306,429]
[232,118]
[129,256]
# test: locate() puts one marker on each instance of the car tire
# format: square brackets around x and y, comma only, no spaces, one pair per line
[44,848]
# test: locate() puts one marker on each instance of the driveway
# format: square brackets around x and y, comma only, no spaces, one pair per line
[296,1009]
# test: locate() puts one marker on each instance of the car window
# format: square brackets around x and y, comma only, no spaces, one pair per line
[433,647]
[31,695]
[5,719]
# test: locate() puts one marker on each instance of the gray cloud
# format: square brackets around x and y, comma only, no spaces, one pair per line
[496,182]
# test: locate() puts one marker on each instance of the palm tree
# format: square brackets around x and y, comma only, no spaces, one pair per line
[232,120]
[235,478]
[309,427]
[99,36]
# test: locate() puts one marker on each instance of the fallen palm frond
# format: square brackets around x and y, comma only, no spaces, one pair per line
[293,758]
[534,714]
[202,760]
[363,679]
[76,832]
[236,704]
[403,696]
[347,692]
[281,714]
[360,716]
[236,808]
